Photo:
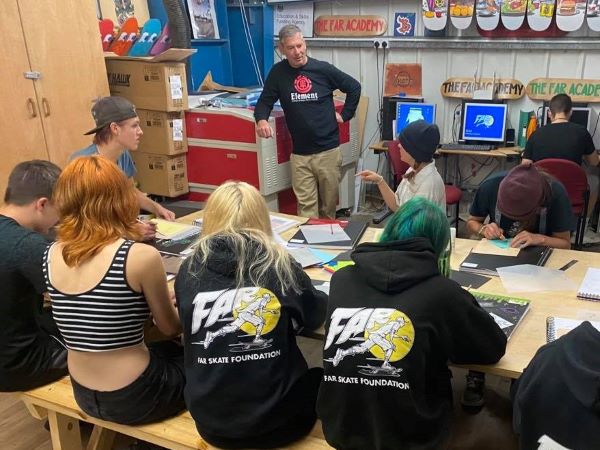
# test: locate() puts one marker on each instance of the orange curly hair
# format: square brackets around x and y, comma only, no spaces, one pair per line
[97,205]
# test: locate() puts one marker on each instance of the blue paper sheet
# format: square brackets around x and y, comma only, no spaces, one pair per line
[501,243]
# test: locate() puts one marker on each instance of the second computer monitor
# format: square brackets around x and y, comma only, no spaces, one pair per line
[485,122]
[411,112]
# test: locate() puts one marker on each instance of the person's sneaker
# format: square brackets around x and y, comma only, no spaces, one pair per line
[473,394]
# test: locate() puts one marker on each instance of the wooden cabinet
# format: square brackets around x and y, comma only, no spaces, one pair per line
[52,69]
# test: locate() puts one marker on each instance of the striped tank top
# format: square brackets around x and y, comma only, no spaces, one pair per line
[108,317]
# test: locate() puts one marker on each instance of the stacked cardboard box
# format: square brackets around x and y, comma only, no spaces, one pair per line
[158,89]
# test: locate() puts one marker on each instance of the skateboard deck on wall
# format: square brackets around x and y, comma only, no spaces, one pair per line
[435,14]
[593,15]
[147,39]
[162,43]
[107,30]
[461,13]
[488,14]
[570,14]
[541,14]
[125,37]
[512,13]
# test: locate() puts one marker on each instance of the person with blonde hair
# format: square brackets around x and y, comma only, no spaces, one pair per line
[242,298]
[103,289]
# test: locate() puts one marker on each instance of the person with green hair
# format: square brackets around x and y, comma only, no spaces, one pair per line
[393,323]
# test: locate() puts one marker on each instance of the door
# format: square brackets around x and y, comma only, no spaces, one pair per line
[63,43]
[21,134]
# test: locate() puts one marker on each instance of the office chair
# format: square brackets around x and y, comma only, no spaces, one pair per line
[574,179]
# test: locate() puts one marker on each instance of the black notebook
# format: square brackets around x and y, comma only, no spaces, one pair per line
[507,312]
[175,247]
[484,264]
[354,230]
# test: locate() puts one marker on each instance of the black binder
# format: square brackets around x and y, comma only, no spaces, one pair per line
[483,264]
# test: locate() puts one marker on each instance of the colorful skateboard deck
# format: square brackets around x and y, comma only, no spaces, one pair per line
[541,14]
[435,14]
[461,13]
[593,15]
[162,43]
[107,30]
[488,14]
[147,39]
[512,13]
[125,37]
[570,14]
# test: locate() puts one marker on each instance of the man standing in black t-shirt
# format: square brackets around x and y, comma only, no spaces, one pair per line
[31,353]
[305,86]
[561,138]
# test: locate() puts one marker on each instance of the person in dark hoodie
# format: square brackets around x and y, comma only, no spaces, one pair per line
[242,299]
[557,399]
[393,323]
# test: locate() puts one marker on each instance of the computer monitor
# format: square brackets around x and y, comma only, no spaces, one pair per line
[410,112]
[483,122]
[580,114]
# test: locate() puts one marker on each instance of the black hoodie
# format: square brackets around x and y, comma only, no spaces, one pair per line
[393,322]
[559,392]
[235,379]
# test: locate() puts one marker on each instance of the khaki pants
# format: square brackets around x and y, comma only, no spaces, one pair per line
[316,180]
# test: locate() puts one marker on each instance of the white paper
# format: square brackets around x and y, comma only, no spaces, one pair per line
[318,234]
[323,287]
[530,278]
[176,87]
[500,321]
[304,256]
[281,224]
[591,283]
[178,129]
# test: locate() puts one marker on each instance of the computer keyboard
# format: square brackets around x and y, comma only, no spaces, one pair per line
[468,147]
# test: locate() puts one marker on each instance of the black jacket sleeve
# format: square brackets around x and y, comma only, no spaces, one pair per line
[313,303]
[268,97]
[348,86]
[474,337]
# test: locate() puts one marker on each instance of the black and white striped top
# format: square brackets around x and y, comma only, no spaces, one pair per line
[108,317]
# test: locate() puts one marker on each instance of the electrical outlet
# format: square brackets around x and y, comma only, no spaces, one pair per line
[381,43]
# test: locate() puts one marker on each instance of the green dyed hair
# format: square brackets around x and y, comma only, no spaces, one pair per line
[419,217]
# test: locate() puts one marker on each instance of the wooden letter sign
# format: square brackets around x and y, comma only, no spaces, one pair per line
[579,90]
[504,88]
[350,26]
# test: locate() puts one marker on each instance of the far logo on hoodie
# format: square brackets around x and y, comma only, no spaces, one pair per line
[248,313]
[386,335]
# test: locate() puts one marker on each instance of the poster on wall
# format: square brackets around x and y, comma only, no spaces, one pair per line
[120,10]
[403,79]
[404,24]
[299,14]
[203,18]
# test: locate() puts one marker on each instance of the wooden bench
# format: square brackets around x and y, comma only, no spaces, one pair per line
[56,402]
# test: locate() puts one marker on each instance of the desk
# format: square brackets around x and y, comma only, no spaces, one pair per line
[530,335]
[503,153]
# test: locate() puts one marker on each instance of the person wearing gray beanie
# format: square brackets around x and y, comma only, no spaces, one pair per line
[416,144]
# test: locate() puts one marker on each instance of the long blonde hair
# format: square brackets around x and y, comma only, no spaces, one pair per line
[237,214]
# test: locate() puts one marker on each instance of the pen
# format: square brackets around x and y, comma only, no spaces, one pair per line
[331,228]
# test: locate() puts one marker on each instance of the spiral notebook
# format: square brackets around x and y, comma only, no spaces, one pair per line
[559,326]
[507,312]
[590,286]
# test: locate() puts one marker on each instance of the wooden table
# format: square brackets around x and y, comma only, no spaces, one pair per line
[530,335]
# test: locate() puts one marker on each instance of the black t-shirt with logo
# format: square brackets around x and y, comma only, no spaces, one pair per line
[566,140]
[306,96]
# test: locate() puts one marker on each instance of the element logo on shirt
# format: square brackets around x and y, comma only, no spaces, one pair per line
[302,84]
[255,311]
[387,334]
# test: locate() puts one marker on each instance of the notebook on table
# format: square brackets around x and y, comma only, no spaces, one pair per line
[559,326]
[353,230]
[507,312]
[174,230]
[486,264]
[590,286]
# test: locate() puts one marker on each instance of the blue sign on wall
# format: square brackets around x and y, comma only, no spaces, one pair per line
[404,24]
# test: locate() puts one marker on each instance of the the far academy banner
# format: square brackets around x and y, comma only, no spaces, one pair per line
[579,90]
[351,26]
[504,88]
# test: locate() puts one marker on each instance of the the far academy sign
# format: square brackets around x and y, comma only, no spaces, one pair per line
[350,26]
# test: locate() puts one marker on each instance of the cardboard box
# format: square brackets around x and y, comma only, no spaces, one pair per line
[149,85]
[161,174]
[164,132]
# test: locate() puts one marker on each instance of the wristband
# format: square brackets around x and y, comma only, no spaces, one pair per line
[380,180]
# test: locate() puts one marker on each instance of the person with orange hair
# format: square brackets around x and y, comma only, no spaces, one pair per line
[103,287]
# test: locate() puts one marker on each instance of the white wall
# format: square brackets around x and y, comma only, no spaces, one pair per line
[438,65]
